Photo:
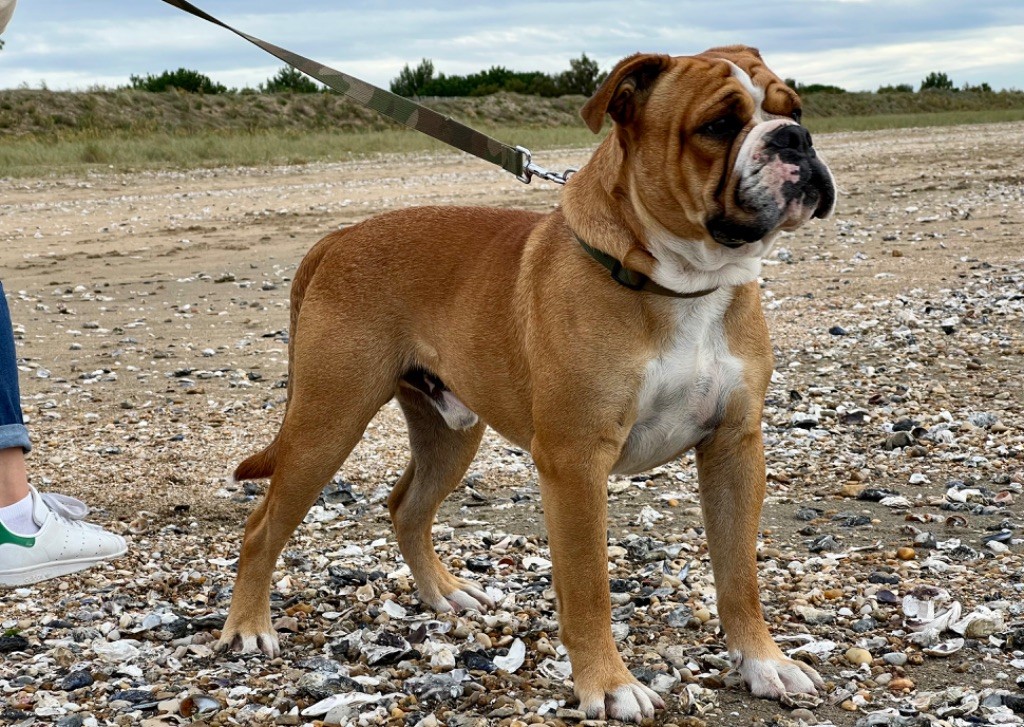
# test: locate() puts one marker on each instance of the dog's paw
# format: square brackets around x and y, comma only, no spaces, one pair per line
[627,701]
[464,596]
[243,642]
[775,677]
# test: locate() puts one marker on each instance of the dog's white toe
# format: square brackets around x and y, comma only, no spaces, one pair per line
[773,678]
[467,597]
[246,643]
[631,702]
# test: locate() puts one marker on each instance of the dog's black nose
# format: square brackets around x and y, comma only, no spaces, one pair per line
[791,136]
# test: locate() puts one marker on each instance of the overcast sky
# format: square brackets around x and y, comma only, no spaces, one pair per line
[857,44]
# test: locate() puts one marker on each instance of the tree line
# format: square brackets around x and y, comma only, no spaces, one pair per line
[934,81]
[287,80]
[582,78]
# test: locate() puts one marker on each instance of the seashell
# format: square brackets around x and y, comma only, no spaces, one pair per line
[1003,536]
[930,609]
[981,622]
[964,495]
[807,657]
[515,658]
[345,699]
[556,670]
[800,701]
[199,705]
[897,502]
[813,651]
[887,597]
[959,706]
[945,648]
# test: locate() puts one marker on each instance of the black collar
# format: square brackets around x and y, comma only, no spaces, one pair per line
[631,278]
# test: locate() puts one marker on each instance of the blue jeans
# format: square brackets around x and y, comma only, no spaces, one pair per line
[12,425]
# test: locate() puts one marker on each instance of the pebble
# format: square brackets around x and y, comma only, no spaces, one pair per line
[906,553]
[858,656]
[900,684]
[574,715]
[898,440]
[76,679]
[815,616]
[895,658]
[803,715]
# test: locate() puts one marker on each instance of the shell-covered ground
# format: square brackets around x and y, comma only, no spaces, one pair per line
[151,314]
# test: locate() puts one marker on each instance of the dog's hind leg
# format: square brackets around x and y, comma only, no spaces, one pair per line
[440,457]
[327,414]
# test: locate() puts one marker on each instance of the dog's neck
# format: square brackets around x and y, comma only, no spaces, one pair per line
[597,206]
[602,206]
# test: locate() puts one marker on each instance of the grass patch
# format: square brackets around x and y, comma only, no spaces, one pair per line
[75,153]
[824,125]
[28,157]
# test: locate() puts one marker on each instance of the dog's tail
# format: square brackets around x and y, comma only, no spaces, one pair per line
[259,465]
[262,464]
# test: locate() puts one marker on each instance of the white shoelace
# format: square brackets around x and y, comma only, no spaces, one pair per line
[68,508]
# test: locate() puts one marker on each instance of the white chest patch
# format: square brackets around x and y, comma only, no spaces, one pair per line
[685,388]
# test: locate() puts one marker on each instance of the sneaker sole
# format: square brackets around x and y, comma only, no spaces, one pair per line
[46,571]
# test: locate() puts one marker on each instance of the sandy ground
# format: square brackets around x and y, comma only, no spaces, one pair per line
[149,308]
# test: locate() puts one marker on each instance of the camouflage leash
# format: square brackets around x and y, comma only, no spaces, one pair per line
[516,160]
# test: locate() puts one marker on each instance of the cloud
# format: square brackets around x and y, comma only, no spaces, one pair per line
[973,56]
[852,43]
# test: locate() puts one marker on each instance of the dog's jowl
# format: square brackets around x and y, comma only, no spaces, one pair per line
[474,317]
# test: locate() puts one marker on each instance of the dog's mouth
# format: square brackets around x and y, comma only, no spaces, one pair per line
[782,185]
[763,207]
[735,233]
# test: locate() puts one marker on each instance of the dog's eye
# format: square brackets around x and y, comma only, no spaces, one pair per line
[797,115]
[723,128]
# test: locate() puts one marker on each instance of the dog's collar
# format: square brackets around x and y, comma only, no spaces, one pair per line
[631,278]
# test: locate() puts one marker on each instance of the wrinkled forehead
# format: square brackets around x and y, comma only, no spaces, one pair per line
[757,93]
[768,92]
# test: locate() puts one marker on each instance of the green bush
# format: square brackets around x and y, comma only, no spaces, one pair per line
[290,80]
[582,78]
[182,79]
[898,88]
[806,88]
[937,82]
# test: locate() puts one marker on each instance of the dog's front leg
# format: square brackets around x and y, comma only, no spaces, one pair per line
[731,472]
[573,485]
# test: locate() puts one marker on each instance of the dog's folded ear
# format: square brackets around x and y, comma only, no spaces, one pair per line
[624,90]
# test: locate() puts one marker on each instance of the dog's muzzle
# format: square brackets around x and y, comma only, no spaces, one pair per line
[792,145]
[783,183]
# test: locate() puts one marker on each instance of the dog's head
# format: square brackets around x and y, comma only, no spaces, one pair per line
[715,160]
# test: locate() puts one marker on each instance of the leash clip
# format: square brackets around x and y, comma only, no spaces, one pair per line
[531,170]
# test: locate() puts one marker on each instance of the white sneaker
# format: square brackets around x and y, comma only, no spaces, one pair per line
[64,544]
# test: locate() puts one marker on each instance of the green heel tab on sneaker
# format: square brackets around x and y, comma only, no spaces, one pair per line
[6,536]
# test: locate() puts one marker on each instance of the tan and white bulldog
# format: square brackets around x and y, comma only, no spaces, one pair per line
[473,317]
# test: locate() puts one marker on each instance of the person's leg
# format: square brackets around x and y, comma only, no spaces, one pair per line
[13,476]
[13,434]
[41,536]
